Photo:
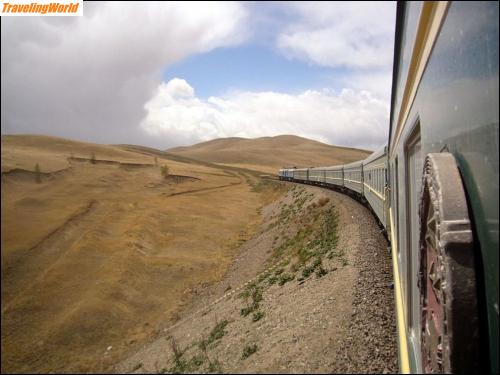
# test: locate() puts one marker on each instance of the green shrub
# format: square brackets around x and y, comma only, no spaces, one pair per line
[248,350]
[284,278]
[217,332]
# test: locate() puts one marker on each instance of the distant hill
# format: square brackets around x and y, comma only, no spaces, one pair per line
[270,153]
[25,150]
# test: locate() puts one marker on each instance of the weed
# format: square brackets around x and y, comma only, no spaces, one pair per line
[214,367]
[196,361]
[257,316]
[217,332]
[137,366]
[284,278]
[306,272]
[272,280]
[180,367]
[321,272]
[263,277]
[164,171]
[175,348]
[248,350]
[255,292]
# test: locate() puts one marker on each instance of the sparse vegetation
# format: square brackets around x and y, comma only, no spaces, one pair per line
[321,272]
[164,171]
[180,365]
[217,332]
[284,278]
[139,192]
[257,316]
[137,366]
[214,367]
[255,292]
[248,350]
[272,280]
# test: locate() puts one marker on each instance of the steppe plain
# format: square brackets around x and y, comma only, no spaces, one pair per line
[101,252]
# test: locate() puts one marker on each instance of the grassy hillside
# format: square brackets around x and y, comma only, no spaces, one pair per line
[96,254]
[52,153]
[270,153]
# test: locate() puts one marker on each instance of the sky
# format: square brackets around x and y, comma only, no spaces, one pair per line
[166,74]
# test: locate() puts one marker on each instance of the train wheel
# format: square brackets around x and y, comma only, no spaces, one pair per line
[447,281]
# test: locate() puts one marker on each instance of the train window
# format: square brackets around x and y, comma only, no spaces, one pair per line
[413,182]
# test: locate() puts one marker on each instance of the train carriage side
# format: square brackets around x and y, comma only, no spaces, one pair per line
[286,174]
[353,176]
[334,175]
[374,181]
[317,175]
[443,155]
[300,174]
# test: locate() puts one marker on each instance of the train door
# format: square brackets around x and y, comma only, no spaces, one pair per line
[413,183]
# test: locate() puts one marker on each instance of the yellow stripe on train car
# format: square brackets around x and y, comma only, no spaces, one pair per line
[404,362]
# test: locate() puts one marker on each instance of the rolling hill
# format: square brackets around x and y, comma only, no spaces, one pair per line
[99,246]
[268,154]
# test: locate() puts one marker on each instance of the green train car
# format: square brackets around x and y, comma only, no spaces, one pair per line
[443,180]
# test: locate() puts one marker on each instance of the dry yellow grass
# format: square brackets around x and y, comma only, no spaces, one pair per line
[52,152]
[268,154]
[98,255]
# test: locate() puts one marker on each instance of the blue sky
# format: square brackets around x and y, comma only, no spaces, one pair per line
[250,67]
[166,74]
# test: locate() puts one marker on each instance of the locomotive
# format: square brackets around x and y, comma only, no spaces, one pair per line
[434,186]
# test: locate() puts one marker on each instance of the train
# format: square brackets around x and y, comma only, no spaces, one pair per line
[434,186]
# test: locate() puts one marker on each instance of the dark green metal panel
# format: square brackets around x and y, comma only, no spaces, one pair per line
[457,108]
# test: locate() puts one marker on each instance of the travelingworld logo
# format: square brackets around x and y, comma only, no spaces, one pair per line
[42,8]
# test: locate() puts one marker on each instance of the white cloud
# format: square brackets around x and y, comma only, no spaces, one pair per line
[377,82]
[348,118]
[341,34]
[89,77]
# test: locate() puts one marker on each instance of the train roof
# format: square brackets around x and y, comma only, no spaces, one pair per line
[333,167]
[375,155]
[354,164]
